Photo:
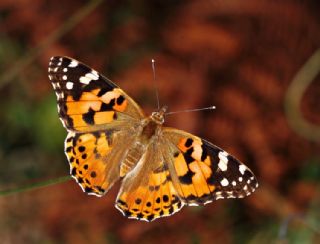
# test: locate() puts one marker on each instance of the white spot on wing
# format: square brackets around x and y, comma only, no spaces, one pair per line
[193,204]
[95,73]
[242,168]
[64,77]
[69,85]
[224,182]
[65,70]
[234,183]
[62,121]
[230,194]
[223,162]
[85,80]
[60,96]
[89,77]
[93,76]
[240,179]
[73,64]
[219,195]
[197,152]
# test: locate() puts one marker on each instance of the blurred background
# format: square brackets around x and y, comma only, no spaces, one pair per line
[248,58]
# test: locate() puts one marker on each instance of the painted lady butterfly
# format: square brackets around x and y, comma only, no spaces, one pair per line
[109,138]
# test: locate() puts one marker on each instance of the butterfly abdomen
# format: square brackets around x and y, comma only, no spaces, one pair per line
[132,158]
[148,129]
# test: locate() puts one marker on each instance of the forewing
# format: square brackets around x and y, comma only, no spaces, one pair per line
[203,172]
[147,192]
[88,101]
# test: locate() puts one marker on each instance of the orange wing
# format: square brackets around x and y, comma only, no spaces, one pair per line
[147,192]
[95,158]
[202,172]
[87,101]
[99,117]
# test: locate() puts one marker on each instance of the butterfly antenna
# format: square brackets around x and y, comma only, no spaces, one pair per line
[191,110]
[153,63]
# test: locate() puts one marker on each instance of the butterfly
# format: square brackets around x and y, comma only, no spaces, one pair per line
[110,139]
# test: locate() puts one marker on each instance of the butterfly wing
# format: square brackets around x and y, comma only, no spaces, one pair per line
[100,119]
[147,192]
[88,101]
[202,172]
[95,158]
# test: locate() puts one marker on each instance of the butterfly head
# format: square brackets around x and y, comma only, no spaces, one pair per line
[158,117]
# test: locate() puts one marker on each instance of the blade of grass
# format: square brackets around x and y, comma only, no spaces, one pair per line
[297,88]
[35,186]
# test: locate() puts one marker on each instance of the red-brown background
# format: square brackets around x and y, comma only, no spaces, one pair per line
[240,56]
